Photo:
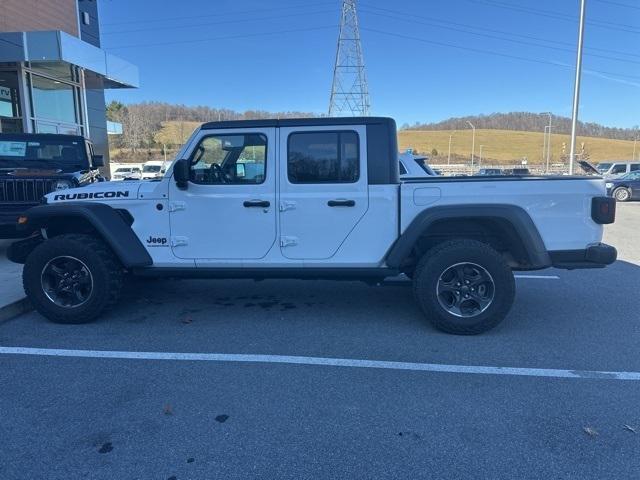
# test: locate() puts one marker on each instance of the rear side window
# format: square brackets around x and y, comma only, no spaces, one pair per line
[403,171]
[635,167]
[323,157]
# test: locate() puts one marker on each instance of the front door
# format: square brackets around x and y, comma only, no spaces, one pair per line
[228,210]
[323,189]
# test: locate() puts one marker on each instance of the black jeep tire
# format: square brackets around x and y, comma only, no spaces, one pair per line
[440,288]
[96,269]
[621,194]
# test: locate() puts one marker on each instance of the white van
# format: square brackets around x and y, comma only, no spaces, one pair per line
[617,169]
[152,169]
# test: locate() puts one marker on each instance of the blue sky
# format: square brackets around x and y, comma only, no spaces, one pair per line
[426,60]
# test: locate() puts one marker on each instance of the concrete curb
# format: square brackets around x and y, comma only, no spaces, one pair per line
[14,309]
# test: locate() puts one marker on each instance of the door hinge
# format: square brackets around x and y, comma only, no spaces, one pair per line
[175,206]
[284,206]
[179,241]
[288,241]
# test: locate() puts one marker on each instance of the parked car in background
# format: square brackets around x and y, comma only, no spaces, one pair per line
[152,169]
[617,169]
[625,188]
[490,171]
[33,165]
[124,173]
[516,171]
[414,166]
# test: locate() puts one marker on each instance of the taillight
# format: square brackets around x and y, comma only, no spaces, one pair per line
[603,210]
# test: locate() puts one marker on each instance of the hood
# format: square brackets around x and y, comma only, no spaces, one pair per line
[31,172]
[99,192]
[588,168]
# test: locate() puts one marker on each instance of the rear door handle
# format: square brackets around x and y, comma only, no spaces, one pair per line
[257,203]
[341,203]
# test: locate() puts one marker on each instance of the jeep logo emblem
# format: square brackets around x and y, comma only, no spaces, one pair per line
[157,240]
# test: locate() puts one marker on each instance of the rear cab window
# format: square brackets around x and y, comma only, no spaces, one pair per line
[323,157]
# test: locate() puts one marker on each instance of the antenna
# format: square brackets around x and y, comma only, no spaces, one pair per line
[350,92]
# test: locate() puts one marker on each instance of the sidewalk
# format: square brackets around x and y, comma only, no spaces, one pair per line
[12,299]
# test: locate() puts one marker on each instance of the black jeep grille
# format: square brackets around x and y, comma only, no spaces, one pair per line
[27,190]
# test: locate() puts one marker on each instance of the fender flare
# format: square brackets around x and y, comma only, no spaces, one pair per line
[107,222]
[517,217]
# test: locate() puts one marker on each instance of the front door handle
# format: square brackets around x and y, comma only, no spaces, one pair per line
[341,203]
[257,203]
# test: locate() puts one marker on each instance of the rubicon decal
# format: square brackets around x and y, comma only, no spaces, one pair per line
[89,195]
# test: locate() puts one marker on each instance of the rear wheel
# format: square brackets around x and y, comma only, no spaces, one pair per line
[72,278]
[464,287]
[622,194]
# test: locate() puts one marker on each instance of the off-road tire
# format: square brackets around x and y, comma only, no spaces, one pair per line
[106,271]
[624,194]
[449,253]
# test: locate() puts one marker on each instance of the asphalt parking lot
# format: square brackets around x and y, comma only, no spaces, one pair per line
[175,415]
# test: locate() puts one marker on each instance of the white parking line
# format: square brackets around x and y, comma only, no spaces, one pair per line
[328,362]
[539,277]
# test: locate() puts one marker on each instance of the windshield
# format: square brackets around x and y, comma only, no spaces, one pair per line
[603,167]
[151,169]
[55,153]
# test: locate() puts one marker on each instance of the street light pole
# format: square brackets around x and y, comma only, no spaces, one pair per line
[480,160]
[635,140]
[576,86]
[473,142]
[546,147]
[449,155]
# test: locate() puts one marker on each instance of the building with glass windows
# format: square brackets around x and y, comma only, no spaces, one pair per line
[53,72]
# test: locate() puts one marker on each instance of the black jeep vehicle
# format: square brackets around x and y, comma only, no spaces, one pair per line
[32,165]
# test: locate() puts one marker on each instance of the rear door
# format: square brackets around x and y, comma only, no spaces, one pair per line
[323,188]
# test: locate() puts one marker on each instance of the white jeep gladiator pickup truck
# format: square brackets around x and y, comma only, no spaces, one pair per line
[316,199]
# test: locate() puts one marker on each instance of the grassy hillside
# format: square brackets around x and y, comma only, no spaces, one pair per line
[507,146]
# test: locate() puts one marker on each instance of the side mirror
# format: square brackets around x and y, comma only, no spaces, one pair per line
[97,161]
[181,173]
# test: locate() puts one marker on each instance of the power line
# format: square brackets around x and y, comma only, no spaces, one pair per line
[223,22]
[486,35]
[619,4]
[558,16]
[217,14]
[498,54]
[502,32]
[228,37]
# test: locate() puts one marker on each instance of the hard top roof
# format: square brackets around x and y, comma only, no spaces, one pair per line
[298,122]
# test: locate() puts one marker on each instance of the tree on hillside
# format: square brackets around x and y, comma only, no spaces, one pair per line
[175,133]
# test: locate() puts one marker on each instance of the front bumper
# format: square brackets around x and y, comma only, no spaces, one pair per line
[594,256]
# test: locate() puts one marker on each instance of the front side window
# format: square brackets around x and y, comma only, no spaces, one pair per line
[234,159]
[323,157]
[620,168]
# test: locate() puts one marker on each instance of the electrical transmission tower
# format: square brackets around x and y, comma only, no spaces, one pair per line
[350,92]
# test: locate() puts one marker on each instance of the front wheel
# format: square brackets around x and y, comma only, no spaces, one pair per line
[464,287]
[72,278]
[622,194]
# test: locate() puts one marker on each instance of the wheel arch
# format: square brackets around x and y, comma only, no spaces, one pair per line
[509,225]
[111,225]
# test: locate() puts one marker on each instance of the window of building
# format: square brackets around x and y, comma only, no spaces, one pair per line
[10,116]
[53,99]
[230,159]
[323,157]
